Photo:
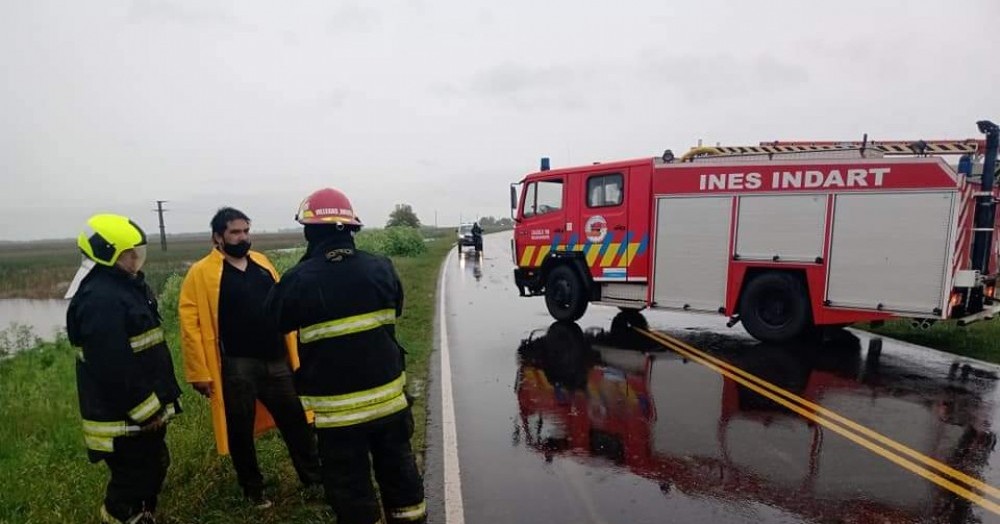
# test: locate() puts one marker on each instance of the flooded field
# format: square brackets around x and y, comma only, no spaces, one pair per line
[45,317]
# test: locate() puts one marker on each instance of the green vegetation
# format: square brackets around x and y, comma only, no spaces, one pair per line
[394,241]
[980,340]
[491,224]
[403,216]
[43,467]
[45,269]
[17,337]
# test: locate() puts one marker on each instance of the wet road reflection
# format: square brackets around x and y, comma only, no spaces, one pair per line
[471,263]
[618,400]
[593,423]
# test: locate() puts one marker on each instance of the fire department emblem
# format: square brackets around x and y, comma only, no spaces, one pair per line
[595,229]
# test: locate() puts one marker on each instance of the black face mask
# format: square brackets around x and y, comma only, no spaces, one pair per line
[237,250]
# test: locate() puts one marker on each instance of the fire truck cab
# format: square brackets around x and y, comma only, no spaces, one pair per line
[783,237]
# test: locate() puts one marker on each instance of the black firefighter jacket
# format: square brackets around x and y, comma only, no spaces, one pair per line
[124,373]
[344,303]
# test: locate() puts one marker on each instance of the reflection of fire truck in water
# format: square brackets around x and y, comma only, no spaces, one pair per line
[689,429]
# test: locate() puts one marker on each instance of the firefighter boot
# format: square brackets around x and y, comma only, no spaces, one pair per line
[139,518]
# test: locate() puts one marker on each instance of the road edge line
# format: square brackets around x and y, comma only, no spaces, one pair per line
[454,507]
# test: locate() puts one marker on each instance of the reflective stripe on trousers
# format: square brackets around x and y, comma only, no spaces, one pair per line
[415,512]
[347,326]
[335,411]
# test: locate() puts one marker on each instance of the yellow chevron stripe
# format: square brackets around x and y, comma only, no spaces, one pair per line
[609,257]
[626,258]
[633,247]
[526,256]
[595,249]
[542,253]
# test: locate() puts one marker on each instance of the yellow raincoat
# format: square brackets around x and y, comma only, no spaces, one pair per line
[199,319]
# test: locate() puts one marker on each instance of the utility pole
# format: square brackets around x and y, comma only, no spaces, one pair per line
[163,230]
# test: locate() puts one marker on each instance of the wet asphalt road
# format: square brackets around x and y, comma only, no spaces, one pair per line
[580,423]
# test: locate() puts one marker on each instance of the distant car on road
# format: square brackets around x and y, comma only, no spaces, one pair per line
[469,236]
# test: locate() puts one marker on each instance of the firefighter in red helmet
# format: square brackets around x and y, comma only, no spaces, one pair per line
[344,303]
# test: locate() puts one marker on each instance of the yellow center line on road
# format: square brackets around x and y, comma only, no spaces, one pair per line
[916,455]
[837,423]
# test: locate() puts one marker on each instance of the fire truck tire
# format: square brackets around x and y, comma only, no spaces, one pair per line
[565,296]
[775,307]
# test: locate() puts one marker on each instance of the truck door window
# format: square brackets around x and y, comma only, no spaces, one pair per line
[550,195]
[605,190]
[529,201]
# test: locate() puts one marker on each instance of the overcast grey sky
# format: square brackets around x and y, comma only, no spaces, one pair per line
[110,105]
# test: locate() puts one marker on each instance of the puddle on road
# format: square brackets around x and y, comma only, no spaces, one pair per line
[617,400]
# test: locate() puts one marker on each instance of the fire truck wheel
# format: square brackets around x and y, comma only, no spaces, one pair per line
[564,294]
[775,307]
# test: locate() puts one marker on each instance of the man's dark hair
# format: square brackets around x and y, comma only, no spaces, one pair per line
[224,216]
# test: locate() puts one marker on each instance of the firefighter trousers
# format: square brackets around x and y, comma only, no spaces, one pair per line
[138,466]
[349,455]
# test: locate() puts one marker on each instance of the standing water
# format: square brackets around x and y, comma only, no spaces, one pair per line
[44,318]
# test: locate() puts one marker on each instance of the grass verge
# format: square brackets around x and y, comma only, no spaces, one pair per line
[45,476]
[980,340]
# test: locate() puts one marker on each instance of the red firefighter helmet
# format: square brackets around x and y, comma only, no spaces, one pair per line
[327,206]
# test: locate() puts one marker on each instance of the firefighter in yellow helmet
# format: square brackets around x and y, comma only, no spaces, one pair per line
[124,374]
[344,302]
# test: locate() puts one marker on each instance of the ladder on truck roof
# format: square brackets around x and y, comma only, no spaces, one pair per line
[974,147]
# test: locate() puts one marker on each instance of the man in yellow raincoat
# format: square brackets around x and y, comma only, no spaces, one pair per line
[236,357]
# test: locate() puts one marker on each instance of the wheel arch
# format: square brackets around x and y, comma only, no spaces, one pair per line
[578,263]
[753,272]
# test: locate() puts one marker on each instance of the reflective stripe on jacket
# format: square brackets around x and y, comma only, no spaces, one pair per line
[100,436]
[334,411]
[344,303]
[125,375]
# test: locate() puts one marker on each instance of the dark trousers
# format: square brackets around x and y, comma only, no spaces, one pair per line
[246,380]
[349,455]
[138,466]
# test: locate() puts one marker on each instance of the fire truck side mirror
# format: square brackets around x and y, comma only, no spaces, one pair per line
[513,201]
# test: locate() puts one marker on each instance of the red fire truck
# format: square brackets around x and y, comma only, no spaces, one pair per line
[783,236]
